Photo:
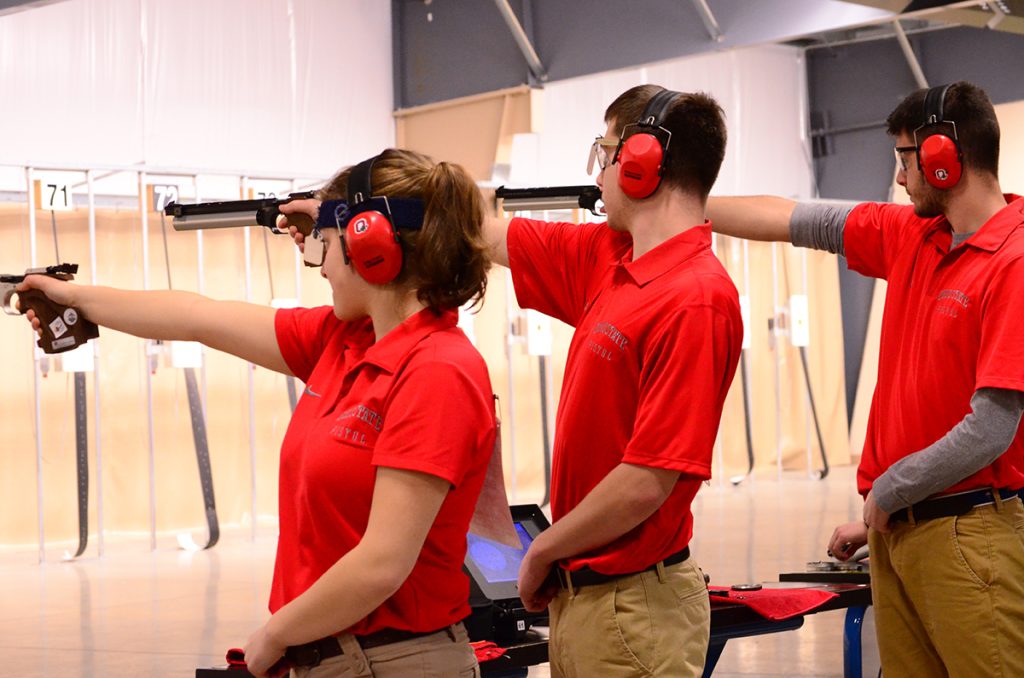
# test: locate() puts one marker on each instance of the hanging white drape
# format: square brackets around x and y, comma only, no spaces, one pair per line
[283,86]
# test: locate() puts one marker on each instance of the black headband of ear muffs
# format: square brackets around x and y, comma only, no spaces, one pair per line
[934,101]
[405,213]
[359,188]
[656,109]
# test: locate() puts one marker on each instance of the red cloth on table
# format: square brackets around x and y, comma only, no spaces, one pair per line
[775,603]
[486,650]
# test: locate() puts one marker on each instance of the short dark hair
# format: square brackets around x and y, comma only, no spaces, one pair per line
[697,124]
[967,105]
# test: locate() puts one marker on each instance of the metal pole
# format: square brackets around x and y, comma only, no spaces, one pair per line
[37,411]
[511,418]
[719,447]
[144,220]
[95,371]
[545,423]
[250,369]
[298,259]
[710,23]
[201,287]
[777,346]
[908,53]
[807,394]
[522,40]
[163,170]
[745,371]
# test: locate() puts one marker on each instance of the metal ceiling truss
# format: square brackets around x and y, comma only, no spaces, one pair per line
[522,40]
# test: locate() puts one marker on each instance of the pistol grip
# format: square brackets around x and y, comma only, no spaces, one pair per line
[267,216]
[303,222]
[63,327]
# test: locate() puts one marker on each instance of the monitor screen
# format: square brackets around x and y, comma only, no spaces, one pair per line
[495,566]
[498,562]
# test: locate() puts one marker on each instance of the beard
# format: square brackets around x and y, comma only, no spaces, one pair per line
[929,203]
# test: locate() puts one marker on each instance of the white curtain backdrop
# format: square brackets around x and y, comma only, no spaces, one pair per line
[281,86]
[761,90]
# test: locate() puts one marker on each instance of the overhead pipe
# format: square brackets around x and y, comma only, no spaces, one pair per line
[710,23]
[908,53]
[522,40]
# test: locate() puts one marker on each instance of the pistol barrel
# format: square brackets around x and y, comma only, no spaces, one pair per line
[197,222]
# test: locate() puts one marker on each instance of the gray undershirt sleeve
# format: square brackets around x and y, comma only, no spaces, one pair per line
[819,225]
[970,446]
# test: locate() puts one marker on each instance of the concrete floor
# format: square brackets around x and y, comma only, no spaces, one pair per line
[136,612]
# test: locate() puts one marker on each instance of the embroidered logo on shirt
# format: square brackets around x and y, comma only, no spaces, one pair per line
[310,391]
[359,425]
[608,338]
[952,303]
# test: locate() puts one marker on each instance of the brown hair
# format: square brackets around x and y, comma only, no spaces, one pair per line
[697,124]
[446,261]
[968,106]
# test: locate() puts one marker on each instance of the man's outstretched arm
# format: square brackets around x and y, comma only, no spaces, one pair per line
[760,217]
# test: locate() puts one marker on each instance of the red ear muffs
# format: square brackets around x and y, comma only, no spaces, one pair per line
[939,159]
[640,165]
[372,246]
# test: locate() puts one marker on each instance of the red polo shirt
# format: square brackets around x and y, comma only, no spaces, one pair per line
[656,345]
[953,323]
[419,399]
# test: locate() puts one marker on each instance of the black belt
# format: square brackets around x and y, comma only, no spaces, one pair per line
[587,577]
[311,654]
[951,504]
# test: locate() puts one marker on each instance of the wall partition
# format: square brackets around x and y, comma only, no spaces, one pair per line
[149,403]
[113,103]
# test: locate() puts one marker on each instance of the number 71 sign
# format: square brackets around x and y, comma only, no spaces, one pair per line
[53,194]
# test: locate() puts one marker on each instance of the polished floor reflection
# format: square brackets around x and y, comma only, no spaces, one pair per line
[136,612]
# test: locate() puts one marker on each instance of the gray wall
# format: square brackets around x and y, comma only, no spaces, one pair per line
[466,48]
[860,84]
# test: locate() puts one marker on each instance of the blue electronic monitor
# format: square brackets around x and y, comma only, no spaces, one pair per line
[494,566]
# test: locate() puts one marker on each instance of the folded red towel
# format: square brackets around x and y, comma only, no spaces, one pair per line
[486,650]
[775,603]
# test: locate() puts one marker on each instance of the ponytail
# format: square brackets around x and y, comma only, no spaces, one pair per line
[451,261]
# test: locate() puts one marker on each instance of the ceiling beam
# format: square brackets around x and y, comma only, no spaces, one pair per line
[519,35]
[710,22]
[908,54]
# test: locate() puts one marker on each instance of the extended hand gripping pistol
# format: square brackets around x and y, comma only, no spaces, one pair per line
[63,327]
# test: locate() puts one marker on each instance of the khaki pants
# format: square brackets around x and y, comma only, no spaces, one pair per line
[648,624]
[949,594]
[439,655]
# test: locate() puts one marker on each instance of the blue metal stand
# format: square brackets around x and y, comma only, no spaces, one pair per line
[719,639]
[852,660]
[853,663]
